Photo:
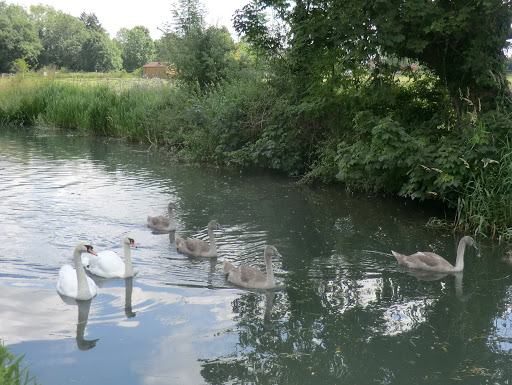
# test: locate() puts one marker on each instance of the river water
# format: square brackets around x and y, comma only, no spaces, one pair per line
[344,312]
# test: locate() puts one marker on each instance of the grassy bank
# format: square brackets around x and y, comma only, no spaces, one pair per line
[397,138]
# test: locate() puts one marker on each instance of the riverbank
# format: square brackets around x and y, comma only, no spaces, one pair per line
[401,138]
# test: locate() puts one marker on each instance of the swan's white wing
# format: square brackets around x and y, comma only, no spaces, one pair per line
[67,284]
[106,264]
[92,286]
[85,261]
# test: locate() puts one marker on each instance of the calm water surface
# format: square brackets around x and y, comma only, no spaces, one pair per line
[344,312]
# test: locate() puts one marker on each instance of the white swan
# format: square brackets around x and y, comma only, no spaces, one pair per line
[75,283]
[250,277]
[433,262]
[108,264]
[197,247]
[162,223]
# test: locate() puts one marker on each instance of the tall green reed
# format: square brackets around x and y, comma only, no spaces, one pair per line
[485,206]
[11,371]
[99,109]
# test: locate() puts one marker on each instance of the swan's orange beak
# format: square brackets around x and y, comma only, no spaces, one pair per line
[132,242]
[90,250]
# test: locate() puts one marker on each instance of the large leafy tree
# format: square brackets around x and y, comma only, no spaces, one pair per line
[202,56]
[137,47]
[18,37]
[461,41]
[99,53]
[62,37]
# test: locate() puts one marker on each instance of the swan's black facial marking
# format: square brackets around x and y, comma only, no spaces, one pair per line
[89,248]
[132,242]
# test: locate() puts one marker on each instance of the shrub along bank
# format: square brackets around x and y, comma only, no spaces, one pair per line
[400,137]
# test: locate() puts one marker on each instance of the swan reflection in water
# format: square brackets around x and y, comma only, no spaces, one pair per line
[128,285]
[435,276]
[128,289]
[270,296]
[84,307]
[83,316]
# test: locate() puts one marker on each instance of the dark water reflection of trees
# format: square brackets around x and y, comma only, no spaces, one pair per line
[327,335]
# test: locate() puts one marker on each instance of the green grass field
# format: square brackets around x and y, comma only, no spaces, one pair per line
[118,81]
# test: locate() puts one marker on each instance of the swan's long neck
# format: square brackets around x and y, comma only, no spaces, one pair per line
[82,285]
[172,224]
[458,285]
[213,246]
[271,281]
[459,262]
[128,268]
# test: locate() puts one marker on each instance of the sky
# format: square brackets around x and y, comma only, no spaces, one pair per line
[152,14]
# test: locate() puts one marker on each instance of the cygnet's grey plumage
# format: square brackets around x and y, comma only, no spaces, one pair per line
[433,262]
[197,247]
[162,223]
[251,277]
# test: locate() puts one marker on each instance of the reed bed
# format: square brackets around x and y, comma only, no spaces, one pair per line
[485,206]
[102,108]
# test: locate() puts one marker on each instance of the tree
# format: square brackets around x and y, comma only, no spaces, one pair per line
[91,22]
[18,37]
[461,42]
[188,15]
[166,46]
[100,54]
[62,37]
[137,47]
[202,56]
[19,66]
